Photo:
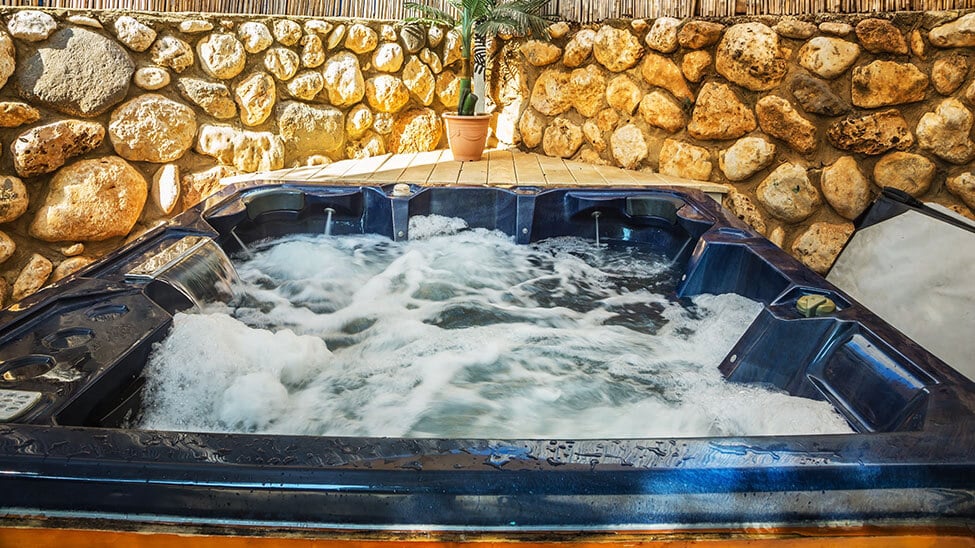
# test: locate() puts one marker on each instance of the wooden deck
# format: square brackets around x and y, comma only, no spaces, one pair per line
[500,167]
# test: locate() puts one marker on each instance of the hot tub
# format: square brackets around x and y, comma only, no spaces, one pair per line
[72,360]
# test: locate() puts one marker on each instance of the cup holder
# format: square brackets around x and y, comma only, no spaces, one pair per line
[26,367]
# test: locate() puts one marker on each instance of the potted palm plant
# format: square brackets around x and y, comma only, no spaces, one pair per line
[482,20]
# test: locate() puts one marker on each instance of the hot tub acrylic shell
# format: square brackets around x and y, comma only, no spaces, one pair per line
[911,462]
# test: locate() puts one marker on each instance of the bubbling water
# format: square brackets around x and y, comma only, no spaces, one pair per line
[462,333]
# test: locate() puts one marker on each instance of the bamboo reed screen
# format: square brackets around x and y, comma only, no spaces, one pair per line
[583,11]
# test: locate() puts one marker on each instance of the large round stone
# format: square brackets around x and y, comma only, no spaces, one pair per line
[616,49]
[845,187]
[883,83]
[660,71]
[77,72]
[309,130]
[343,79]
[720,114]
[750,56]
[551,94]
[214,98]
[256,95]
[169,51]
[746,157]
[13,198]
[416,130]
[562,138]
[221,55]
[45,148]
[91,200]
[828,57]
[386,93]
[911,173]
[152,128]
[778,118]
[629,146]
[787,193]
[681,159]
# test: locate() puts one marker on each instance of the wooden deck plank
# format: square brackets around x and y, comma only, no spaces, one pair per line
[501,168]
[555,171]
[585,174]
[362,170]
[527,170]
[392,168]
[421,166]
[446,171]
[474,173]
[615,175]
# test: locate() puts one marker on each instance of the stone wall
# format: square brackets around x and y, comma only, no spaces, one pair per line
[112,122]
[804,120]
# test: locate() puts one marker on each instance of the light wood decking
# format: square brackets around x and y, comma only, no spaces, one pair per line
[504,168]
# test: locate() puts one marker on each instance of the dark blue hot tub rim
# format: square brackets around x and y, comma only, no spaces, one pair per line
[913,465]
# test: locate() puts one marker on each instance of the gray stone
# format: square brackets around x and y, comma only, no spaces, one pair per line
[32,277]
[152,128]
[787,193]
[819,245]
[719,114]
[750,55]
[214,98]
[309,130]
[881,36]
[77,72]
[778,118]
[790,27]
[413,36]
[31,25]
[948,73]
[255,36]
[871,134]
[629,146]
[616,49]
[746,157]
[172,52]
[561,138]
[13,199]
[343,79]
[43,149]
[945,132]
[845,187]
[680,159]
[958,33]
[256,95]
[151,78]
[663,35]
[221,55]
[286,32]
[816,97]
[306,85]
[91,200]
[883,83]
[135,35]
[911,173]
[828,57]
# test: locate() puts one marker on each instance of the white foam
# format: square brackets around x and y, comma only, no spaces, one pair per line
[562,347]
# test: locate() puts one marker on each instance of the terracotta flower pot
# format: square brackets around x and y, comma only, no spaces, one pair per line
[467,135]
